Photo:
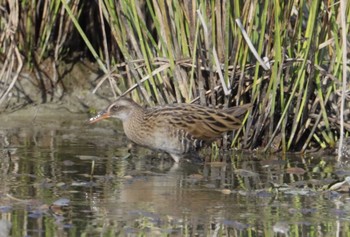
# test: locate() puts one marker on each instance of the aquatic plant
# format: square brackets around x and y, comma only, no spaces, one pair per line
[179,51]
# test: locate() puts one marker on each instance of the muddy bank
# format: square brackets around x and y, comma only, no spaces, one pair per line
[71,91]
[37,104]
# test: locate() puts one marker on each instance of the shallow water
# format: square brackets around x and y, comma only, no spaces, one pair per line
[61,177]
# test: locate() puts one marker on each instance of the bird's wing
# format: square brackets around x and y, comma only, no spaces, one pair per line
[197,121]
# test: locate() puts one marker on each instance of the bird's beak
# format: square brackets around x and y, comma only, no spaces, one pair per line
[101,115]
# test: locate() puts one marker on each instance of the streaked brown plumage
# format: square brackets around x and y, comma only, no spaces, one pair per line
[176,129]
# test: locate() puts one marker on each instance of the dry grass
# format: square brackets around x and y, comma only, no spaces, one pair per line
[185,51]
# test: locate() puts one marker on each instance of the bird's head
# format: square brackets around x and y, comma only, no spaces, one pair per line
[120,109]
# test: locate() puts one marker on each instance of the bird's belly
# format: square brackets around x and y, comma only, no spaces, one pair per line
[168,144]
[161,140]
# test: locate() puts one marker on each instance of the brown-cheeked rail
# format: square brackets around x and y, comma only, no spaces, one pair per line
[177,129]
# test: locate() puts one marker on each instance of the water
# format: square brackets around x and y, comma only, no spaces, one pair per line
[61,177]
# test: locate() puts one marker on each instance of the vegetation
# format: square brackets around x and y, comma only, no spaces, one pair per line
[187,51]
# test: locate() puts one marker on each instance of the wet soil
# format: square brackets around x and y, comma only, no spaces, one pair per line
[70,90]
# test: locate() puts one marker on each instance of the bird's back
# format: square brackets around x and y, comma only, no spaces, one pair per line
[199,122]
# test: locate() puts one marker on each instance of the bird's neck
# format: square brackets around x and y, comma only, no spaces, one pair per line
[134,118]
[134,125]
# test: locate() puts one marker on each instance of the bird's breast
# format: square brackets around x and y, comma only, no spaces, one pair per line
[163,137]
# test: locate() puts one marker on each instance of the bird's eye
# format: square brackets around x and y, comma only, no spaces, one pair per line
[115,108]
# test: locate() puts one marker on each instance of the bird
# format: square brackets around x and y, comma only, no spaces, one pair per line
[177,129]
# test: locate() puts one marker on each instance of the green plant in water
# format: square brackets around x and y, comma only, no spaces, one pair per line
[180,51]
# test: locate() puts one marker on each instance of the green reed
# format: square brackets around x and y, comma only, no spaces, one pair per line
[178,51]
